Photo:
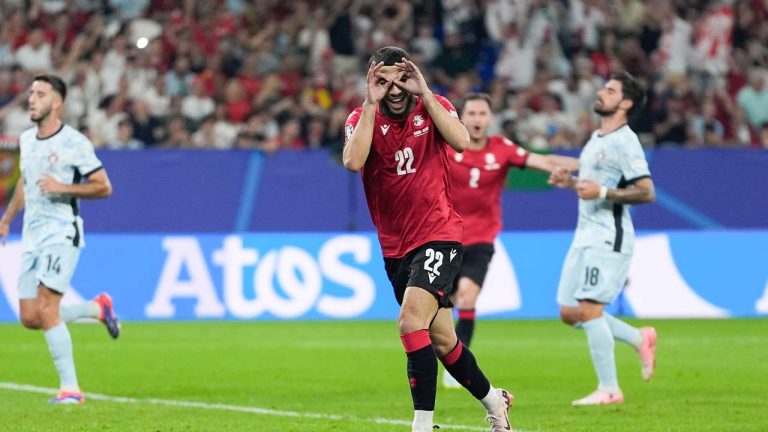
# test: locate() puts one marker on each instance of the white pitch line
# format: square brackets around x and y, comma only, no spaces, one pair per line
[236,408]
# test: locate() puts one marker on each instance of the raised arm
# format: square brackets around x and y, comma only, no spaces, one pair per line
[562,178]
[15,206]
[454,132]
[359,143]
[548,163]
[450,127]
[97,185]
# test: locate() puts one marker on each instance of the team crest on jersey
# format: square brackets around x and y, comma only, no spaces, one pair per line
[490,162]
[600,157]
[348,132]
[418,120]
[52,159]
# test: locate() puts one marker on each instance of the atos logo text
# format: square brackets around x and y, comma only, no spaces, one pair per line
[287,282]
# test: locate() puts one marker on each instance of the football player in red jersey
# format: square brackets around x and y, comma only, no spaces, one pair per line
[477,177]
[397,140]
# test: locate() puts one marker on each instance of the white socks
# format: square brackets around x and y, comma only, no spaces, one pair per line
[623,331]
[60,346]
[422,421]
[601,345]
[87,309]
[491,400]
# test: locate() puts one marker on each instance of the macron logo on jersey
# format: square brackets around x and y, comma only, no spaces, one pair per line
[384,129]
[453,254]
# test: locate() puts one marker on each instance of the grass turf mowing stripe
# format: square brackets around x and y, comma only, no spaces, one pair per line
[224,407]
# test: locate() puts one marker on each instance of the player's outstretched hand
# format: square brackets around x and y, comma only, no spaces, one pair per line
[587,189]
[560,177]
[412,81]
[377,83]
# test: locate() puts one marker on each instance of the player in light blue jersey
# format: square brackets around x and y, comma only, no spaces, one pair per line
[55,159]
[613,173]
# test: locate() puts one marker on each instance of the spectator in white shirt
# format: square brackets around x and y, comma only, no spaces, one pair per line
[103,122]
[674,45]
[198,104]
[425,42]
[14,117]
[35,55]
[113,66]
[6,47]
[157,99]
[205,137]
[224,130]
[516,64]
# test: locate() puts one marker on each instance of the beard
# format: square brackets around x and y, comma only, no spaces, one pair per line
[41,115]
[604,111]
[408,103]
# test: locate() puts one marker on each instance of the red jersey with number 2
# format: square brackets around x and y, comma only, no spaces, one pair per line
[406,180]
[477,177]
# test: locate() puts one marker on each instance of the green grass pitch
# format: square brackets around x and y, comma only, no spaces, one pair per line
[350,376]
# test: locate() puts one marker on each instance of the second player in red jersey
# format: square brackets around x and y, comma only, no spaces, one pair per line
[477,177]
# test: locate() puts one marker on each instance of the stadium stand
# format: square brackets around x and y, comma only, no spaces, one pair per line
[277,75]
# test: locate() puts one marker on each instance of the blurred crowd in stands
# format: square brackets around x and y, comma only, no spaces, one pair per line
[277,74]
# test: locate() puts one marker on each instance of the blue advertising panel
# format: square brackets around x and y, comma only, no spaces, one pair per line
[246,191]
[318,276]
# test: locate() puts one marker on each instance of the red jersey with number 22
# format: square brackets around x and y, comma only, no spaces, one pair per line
[477,177]
[406,180]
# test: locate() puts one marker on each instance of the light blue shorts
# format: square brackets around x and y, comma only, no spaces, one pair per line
[592,274]
[52,266]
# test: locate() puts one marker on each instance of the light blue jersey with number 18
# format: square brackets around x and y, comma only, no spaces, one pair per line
[67,156]
[614,160]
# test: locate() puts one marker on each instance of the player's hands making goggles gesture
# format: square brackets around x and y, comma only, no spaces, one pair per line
[405,75]
[411,79]
[377,83]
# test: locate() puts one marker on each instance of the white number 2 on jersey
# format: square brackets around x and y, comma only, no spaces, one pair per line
[404,157]
[435,257]
[474,178]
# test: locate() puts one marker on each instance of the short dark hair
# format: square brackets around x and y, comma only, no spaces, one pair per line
[474,96]
[631,89]
[57,83]
[390,55]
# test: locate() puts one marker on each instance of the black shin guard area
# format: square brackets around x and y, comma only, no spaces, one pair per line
[422,377]
[465,328]
[466,372]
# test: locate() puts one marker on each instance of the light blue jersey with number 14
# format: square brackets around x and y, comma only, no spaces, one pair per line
[67,156]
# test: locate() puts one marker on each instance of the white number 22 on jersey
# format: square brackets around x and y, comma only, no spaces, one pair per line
[474,177]
[404,159]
